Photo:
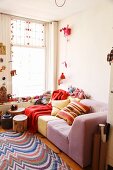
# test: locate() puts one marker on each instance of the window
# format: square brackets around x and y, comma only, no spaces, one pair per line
[27,57]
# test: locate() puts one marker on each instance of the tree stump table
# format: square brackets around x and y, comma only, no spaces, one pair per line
[17,111]
[20,123]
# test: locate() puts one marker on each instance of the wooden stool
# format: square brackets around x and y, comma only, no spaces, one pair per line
[20,123]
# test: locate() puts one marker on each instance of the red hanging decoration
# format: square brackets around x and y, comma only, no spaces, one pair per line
[13,72]
[62,76]
[67,31]
[59,81]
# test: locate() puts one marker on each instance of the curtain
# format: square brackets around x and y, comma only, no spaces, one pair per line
[52,53]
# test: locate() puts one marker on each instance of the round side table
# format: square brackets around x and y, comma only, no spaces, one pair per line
[16,112]
[20,123]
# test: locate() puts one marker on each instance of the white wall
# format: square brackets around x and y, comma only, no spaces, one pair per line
[86,51]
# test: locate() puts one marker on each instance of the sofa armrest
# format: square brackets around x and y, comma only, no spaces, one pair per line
[81,136]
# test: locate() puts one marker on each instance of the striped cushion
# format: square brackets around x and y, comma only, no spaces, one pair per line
[72,110]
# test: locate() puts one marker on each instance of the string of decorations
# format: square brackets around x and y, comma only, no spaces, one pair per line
[67,32]
[25,33]
[2,65]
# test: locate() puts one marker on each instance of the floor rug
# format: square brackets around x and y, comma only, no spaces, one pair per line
[24,151]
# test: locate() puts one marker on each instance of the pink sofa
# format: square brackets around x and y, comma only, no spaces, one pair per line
[77,140]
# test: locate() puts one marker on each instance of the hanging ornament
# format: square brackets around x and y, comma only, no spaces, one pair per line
[3,67]
[59,81]
[62,77]
[65,63]
[13,72]
[3,94]
[1,60]
[2,49]
[66,30]
[110,57]
[3,78]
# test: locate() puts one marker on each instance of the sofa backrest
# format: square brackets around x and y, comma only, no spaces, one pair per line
[96,106]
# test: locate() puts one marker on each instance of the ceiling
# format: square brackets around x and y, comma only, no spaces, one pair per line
[45,10]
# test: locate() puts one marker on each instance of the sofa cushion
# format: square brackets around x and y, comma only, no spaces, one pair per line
[42,123]
[57,105]
[96,106]
[73,110]
[58,132]
[71,98]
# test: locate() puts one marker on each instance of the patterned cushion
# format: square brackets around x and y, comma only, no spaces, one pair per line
[57,105]
[73,110]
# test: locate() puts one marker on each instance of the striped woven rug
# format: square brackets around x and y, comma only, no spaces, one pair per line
[24,151]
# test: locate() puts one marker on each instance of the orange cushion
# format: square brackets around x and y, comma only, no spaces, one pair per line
[72,110]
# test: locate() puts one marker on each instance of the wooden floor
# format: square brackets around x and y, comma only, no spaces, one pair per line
[68,160]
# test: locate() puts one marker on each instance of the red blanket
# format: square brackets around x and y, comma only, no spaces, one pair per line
[33,112]
[59,94]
